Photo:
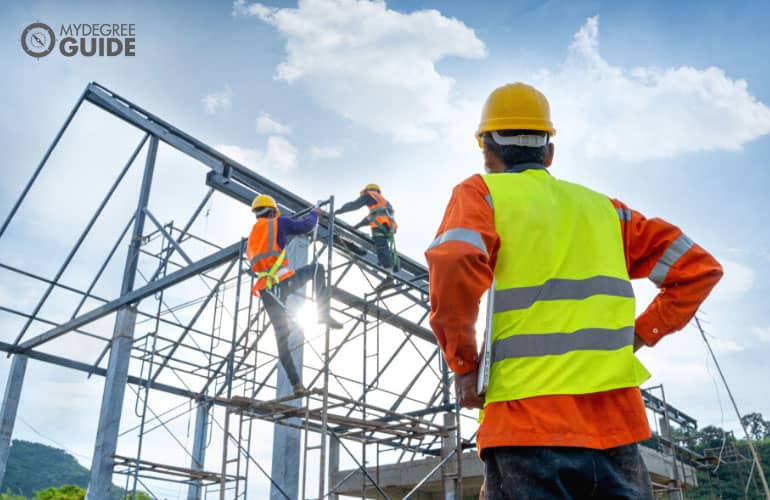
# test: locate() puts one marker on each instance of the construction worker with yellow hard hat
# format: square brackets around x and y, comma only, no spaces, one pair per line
[267,257]
[382,222]
[558,379]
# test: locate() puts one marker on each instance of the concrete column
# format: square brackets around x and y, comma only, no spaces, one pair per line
[287,442]
[10,406]
[448,443]
[449,470]
[100,480]
[199,448]
[334,465]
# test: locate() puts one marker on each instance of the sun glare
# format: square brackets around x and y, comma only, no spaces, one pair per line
[307,317]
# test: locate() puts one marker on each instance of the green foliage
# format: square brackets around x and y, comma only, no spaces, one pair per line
[10,496]
[66,492]
[140,495]
[758,427]
[34,467]
[729,479]
[38,472]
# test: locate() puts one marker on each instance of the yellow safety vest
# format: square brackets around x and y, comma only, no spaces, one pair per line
[563,317]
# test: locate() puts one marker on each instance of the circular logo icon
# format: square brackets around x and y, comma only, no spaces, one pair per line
[38,40]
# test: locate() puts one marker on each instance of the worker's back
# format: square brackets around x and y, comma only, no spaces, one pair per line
[563,300]
[567,226]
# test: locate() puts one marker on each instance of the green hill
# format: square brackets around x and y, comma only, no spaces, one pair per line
[34,466]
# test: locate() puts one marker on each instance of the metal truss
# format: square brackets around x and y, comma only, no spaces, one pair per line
[378,392]
[379,387]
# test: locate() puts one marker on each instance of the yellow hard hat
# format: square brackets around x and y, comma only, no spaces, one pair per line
[264,201]
[515,106]
[370,187]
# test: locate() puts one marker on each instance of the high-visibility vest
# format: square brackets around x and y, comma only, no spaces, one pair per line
[380,218]
[266,258]
[563,315]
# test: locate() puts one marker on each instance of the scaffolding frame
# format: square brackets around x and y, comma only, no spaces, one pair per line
[227,373]
[218,368]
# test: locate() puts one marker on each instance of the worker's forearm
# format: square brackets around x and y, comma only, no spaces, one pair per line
[352,205]
[687,285]
[457,283]
[684,271]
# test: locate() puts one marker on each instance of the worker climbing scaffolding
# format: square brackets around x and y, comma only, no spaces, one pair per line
[382,222]
[276,279]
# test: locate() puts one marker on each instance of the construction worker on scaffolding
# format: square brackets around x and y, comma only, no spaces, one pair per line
[562,409]
[276,279]
[382,222]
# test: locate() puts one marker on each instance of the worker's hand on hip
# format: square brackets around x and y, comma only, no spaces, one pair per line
[465,391]
[638,342]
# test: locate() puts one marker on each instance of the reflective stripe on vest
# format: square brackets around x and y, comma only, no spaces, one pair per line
[272,243]
[560,289]
[563,317]
[379,215]
[267,260]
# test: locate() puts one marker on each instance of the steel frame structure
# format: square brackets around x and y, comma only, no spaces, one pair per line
[379,392]
[228,369]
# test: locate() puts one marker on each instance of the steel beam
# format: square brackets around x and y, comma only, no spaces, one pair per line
[42,163]
[82,238]
[10,406]
[287,441]
[242,186]
[385,316]
[203,265]
[100,480]
[195,489]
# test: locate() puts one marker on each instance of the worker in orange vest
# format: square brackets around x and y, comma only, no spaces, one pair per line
[267,257]
[382,222]
[562,409]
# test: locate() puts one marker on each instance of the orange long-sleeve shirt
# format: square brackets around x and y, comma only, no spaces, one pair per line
[460,273]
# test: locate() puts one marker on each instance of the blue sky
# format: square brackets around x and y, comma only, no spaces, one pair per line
[661,104]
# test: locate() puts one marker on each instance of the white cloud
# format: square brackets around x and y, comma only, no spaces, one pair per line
[641,113]
[325,152]
[217,101]
[278,154]
[762,334]
[266,125]
[738,280]
[373,65]
[725,346]
[249,157]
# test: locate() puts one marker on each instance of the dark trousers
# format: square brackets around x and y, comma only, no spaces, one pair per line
[278,314]
[382,247]
[530,473]
[301,276]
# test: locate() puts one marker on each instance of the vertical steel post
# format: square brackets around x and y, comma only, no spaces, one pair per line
[448,442]
[100,480]
[327,360]
[287,440]
[10,405]
[199,448]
